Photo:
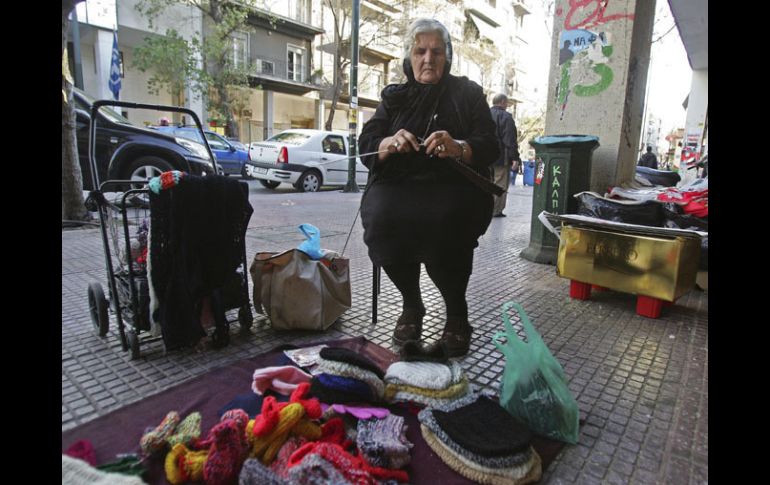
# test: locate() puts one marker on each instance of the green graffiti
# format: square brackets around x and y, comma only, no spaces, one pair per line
[564,83]
[604,71]
[607,50]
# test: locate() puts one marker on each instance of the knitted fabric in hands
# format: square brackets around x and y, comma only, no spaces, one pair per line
[314,470]
[186,431]
[341,390]
[346,355]
[282,379]
[155,440]
[77,472]
[354,468]
[255,473]
[349,370]
[484,427]
[427,375]
[426,418]
[383,443]
[529,472]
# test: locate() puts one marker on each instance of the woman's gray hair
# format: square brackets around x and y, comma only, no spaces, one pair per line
[424,26]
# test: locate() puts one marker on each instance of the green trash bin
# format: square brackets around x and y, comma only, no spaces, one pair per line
[562,169]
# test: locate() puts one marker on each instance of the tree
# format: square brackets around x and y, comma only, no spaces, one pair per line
[220,70]
[72,203]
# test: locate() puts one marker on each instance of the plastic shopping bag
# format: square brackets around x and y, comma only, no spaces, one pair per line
[533,386]
[312,245]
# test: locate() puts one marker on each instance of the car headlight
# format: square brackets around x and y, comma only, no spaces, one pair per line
[195,147]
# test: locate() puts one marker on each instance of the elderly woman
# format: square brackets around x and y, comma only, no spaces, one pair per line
[418,208]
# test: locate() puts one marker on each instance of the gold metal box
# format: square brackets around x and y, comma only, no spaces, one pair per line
[657,266]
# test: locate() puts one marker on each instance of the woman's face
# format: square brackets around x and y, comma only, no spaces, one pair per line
[428,58]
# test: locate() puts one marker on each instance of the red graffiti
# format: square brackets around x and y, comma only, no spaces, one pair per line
[593,18]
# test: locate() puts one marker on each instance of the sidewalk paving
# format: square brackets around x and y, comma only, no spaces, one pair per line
[641,384]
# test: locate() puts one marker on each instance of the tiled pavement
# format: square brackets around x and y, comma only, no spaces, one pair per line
[641,384]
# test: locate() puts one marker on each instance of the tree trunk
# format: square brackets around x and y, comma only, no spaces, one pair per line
[72,203]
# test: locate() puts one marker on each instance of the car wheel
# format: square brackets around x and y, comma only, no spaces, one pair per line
[245,174]
[145,168]
[310,181]
[269,184]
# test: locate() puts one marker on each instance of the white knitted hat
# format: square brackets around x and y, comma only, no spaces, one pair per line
[428,375]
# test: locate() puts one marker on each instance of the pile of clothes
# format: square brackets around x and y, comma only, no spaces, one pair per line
[426,383]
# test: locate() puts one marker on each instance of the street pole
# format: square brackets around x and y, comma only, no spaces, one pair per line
[353,116]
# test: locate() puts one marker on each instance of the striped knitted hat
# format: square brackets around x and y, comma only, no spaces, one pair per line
[314,470]
[349,370]
[383,443]
[427,375]
[255,473]
[346,355]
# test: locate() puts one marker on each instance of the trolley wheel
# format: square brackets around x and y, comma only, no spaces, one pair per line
[97,305]
[245,317]
[133,343]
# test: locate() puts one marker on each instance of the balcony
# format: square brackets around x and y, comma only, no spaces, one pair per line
[275,75]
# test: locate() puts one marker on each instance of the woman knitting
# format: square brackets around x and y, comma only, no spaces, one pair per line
[418,208]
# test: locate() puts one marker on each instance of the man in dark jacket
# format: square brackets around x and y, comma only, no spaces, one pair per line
[649,159]
[509,150]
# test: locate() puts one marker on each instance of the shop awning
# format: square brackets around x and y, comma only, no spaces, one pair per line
[485,29]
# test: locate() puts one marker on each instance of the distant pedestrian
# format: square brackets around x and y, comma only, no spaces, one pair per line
[649,159]
[509,150]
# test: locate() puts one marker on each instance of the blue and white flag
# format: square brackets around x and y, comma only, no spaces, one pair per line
[114,82]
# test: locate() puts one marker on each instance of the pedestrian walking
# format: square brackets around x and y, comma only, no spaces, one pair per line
[509,158]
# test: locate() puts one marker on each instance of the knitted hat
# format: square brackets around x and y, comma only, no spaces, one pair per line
[255,473]
[382,442]
[346,355]
[529,472]
[353,468]
[349,370]
[186,431]
[314,470]
[426,418]
[155,440]
[335,389]
[279,464]
[77,472]
[282,379]
[484,427]
[428,375]
[454,391]
[83,450]
[227,453]
[183,465]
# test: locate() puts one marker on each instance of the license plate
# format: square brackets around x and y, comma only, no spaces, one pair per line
[260,170]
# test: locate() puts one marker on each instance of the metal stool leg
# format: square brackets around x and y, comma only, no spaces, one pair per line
[375,290]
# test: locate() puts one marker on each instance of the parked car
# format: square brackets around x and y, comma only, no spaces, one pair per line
[127,152]
[307,159]
[231,158]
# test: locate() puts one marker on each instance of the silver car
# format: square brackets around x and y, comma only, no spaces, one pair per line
[307,159]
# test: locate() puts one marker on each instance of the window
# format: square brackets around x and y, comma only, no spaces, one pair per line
[294,66]
[216,142]
[240,49]
[265,67]
[333,144]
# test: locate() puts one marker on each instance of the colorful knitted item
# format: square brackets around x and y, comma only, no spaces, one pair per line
[271,408]
[333,431]
[83,450]
[383,443]
[333,389]
[427,401]
[227,453]
[314,470]
[484,427]
[184,465]
[156,440]
[186,431]
[165,181]
[353,468]
[266,446]
[75,471]
[426,418]
[451,392]
[346,355]
[279,464]
[426,375]
[359,412]
[349,370]
[529,472]
[255,473]
[281,379]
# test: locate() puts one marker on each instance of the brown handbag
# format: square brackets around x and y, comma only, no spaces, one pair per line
[298,292]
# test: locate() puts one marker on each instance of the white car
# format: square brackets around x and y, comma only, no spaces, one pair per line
[307,159]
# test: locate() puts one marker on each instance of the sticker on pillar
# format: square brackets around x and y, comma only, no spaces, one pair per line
[583,60]
[540,171]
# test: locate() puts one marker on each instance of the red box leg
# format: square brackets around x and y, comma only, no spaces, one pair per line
[648,306]
[579,291]
[598,288]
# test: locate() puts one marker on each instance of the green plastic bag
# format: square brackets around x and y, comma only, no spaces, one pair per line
[533,387]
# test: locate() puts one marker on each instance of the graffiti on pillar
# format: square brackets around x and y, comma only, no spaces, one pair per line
[555,184]
[584,54]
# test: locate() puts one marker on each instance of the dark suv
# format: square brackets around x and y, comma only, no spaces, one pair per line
[128,152]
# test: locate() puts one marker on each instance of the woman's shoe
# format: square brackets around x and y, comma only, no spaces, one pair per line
[408,326]
[456,338]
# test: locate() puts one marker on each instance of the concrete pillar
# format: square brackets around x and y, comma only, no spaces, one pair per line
[103,61]
[267,113]
[695,124]
[597,82]
[320,114]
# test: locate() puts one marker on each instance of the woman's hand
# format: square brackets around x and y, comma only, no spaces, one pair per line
[442,145]
[402,142]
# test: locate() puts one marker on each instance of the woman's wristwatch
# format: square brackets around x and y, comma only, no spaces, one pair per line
[463,148]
